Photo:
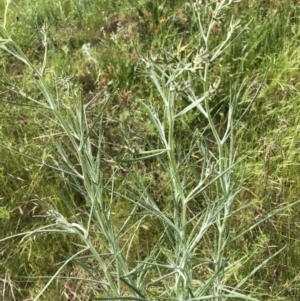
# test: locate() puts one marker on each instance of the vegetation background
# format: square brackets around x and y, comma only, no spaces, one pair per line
[95,49]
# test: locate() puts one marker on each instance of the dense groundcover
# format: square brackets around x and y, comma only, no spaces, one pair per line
[149,150]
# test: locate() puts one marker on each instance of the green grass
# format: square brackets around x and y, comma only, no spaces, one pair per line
[103,154]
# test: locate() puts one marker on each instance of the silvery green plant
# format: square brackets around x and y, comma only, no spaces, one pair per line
[193,245]
[175,75]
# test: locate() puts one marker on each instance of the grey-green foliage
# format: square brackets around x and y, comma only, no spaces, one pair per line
[189,261]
